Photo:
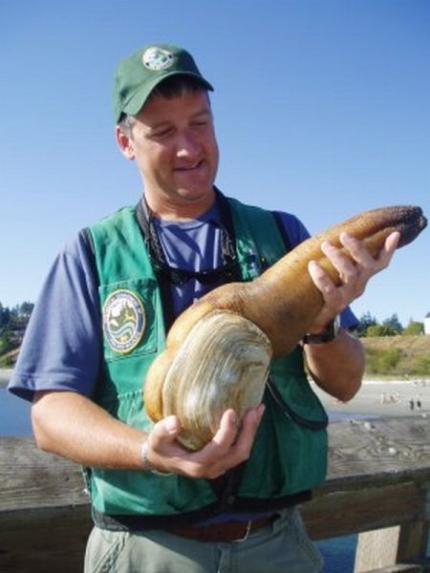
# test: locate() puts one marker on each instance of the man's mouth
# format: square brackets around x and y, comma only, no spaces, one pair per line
[188,168]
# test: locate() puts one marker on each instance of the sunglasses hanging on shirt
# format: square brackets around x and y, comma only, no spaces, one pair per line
[226,272]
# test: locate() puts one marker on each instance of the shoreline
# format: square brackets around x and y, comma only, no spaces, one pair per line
[376,398]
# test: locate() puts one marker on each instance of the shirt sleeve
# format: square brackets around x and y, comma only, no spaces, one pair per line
[297,233]
[62,345]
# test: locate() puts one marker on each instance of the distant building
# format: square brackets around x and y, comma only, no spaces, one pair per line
[427,324]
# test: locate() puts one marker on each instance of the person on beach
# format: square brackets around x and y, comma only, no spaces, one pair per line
[102,318]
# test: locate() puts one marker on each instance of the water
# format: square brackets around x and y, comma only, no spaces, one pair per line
[339,554]
[15,421]
[14,415]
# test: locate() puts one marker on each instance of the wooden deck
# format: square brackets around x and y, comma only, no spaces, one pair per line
[378,485]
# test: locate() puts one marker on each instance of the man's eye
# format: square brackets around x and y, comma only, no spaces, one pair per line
[162,133]
[200,123]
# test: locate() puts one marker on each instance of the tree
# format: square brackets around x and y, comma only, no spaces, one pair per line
[5,316]
[26,308]
[393,324]
[13,322]
[414,328]
[366,320]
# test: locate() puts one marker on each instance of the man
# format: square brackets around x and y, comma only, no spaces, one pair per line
[101,320]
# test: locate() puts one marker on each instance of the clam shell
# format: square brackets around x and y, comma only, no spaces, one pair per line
[223,363]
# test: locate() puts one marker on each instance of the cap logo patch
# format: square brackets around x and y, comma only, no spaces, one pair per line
[124,320]
[157,59]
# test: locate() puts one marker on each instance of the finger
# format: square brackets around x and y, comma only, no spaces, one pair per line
[162,446]
[341,262]
[227,431]
[239,451]
[250,425]
[222,441]
[387,251]
[324,284]
[164,431]
[210,461]
[357,250]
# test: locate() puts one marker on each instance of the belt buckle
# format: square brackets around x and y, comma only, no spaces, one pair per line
[246,534]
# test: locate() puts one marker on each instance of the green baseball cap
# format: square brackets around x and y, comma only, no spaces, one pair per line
[140,73]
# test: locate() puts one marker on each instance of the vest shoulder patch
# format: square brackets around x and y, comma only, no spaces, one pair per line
[124,320]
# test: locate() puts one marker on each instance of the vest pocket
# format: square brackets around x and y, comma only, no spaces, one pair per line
[131,314]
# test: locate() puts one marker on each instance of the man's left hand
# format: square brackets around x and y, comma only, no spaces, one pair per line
[354,270]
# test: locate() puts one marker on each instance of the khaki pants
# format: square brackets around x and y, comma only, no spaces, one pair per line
[282,546]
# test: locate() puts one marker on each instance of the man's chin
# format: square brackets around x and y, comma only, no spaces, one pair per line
[195,194]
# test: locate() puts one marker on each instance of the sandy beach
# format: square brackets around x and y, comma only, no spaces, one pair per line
[383,398]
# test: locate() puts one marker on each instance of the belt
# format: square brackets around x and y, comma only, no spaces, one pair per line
[222,532]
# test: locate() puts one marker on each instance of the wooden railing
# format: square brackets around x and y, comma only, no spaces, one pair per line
[378,486]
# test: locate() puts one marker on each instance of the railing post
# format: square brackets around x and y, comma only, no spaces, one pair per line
[413,542]
[402,544]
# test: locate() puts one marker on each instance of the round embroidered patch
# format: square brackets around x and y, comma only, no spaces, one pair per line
[156,59]
[124,320]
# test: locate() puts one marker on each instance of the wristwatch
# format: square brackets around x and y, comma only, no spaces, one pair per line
[330,333]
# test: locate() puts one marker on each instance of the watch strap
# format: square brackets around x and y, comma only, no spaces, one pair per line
[330,333]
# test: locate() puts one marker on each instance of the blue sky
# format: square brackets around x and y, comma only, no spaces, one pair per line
[321,108]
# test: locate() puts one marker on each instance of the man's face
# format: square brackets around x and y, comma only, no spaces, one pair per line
[173,142]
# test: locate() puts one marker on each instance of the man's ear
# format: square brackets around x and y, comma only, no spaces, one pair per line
[125,143]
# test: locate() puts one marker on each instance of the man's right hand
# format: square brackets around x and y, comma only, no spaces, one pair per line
[229,447]
[72,426]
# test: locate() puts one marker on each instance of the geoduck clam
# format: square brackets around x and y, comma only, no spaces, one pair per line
[218,352]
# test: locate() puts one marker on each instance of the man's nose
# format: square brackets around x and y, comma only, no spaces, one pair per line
[187,146]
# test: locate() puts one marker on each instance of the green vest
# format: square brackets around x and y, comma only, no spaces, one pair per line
[289,453]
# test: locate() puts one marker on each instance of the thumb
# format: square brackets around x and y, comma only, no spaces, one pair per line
[165,430]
